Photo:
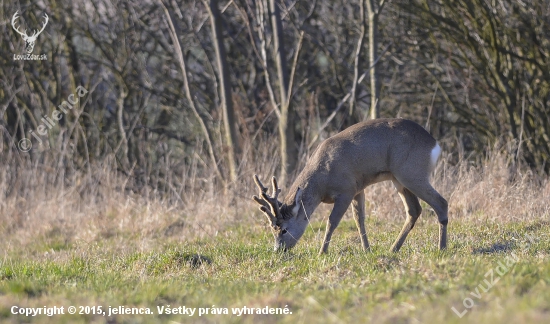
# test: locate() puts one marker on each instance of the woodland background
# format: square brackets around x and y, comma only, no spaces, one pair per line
[187,97]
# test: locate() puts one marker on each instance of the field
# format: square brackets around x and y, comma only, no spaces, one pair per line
[102,247]
[130,132]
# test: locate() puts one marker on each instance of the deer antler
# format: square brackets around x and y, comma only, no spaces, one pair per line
[269,205]
[24,34]
[43,26]
[15,16]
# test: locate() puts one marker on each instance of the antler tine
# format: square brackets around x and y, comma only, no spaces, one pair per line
[13,19]
[259,184]
[269,205]
[260,201]
[264,201]
[44,25]
[275,189]
[273,205]
[272,219]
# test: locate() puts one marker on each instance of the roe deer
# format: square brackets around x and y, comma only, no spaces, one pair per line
[343,165]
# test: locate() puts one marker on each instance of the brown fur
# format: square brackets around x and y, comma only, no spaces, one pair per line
[363,154]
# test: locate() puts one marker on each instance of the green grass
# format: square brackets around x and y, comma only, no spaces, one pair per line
[238,268]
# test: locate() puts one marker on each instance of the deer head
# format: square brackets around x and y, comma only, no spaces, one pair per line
[29,40]
[287,226]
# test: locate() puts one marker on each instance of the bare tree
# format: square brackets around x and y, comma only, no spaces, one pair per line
[183,66]
[353,100]
[286,129]
[373,12]
[230,133]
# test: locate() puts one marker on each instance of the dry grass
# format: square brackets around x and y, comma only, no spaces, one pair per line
[40,200]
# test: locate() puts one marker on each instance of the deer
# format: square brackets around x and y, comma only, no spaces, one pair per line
[342,166]
[29,40]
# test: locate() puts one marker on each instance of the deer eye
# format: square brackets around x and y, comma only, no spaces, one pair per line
[284,231]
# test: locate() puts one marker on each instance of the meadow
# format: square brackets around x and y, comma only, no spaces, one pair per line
[100,245]
[137,197]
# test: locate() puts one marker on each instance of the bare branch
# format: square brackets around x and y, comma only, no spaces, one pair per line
[181,61]
[343,101]
[294,65]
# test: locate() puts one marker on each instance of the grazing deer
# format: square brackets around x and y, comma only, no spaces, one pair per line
[343,165]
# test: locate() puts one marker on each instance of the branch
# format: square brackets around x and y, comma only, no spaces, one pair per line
[294,64]
[181,61]
[263,50]
[380,6]
[165,132]
[346,97]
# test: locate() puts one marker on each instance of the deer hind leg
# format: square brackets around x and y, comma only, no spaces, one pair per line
[426,192]
[413,209]
[358,210]
[341,204]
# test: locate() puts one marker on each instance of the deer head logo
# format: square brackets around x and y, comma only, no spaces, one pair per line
[29,40]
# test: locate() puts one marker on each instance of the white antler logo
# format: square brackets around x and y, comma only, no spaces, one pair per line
[29,40]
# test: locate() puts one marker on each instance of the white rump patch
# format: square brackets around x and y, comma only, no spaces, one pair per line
[434,155]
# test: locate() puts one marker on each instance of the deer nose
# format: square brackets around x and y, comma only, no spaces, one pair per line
[280,247]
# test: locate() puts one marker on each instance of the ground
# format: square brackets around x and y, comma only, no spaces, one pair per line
[492,272]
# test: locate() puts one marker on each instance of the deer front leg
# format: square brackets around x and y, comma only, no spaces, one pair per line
[340,206]
[358,209]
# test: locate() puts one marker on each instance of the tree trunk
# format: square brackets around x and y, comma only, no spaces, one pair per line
[123,139]
[286,128]
[230,132]
[354,113]
[373,44]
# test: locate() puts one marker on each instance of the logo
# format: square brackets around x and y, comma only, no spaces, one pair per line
[30,41]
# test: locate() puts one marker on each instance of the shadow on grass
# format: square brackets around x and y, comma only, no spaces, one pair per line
[196,260]
[495,248]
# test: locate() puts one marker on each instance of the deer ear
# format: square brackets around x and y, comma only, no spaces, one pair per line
[297,202]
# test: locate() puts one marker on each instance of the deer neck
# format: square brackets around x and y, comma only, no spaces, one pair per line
[310,196]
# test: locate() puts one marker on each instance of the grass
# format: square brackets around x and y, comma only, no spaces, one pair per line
[236,267]
[97,239]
